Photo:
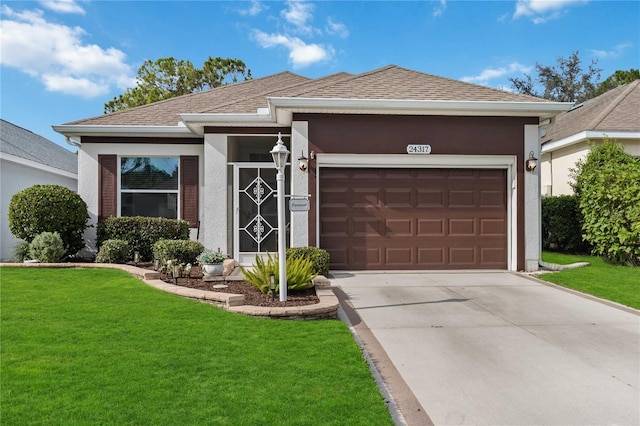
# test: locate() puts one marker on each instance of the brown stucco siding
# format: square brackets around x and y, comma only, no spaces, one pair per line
[389,134]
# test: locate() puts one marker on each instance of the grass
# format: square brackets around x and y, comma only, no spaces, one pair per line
[619,284]
[93,346]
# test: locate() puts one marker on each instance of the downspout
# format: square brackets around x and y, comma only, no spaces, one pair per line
[71,142]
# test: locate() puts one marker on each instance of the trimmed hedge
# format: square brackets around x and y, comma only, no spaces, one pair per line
[114,251]
[142,232]
[607,184]
[184,251]
[49,208]
[562,225]
[318,257]
[47,247]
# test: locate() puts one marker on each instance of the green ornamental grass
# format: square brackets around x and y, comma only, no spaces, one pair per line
[92,346]
[619,284]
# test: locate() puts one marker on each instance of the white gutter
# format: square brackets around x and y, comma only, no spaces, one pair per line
[77,131]
[543,110]
[586,135]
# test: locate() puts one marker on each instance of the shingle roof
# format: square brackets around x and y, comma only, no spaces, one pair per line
[616,110]
[165,113]
[26,144]
[390,82]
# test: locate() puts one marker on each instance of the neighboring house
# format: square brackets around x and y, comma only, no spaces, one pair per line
[27,159]
[614,114]
[464,202]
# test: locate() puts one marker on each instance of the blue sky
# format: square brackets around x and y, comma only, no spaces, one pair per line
[62,60]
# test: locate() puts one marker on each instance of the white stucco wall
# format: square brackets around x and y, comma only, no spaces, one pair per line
[299,182]
[532,219]
[214,218]
[557,164]
[16,176]
[88,173]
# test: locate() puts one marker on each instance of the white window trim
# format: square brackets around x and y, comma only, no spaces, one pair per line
[147,191]
[434,161]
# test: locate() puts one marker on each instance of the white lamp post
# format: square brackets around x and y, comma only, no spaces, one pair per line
[280,154]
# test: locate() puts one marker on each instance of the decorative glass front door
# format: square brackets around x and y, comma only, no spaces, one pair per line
[256,211]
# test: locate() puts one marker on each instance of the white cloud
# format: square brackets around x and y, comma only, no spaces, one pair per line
[439,10]
[541,11]
[613,53]
[63,6]
[298,14]
[253,10]
[56,55]
[494,73]
[301,54]
[74,86]
[336,28]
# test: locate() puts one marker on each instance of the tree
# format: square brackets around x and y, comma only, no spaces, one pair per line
[606,184]
[564,82]
[167,78]
[616,79]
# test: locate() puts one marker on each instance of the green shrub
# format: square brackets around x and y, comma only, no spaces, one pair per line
[142,232]
[318,257]
[21,252]
[47,247]
[114,251]
[184,251]
[562,225]
[49,208]
[606,184]
[299,273]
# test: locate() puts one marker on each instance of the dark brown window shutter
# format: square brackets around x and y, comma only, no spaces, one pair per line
[107,186]
[189,199]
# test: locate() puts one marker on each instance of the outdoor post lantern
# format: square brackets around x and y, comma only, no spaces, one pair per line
[136,257]
[280,154]
[272,286]
[156,264]
[176,272]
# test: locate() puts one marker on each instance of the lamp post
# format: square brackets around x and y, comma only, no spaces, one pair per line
[280,154]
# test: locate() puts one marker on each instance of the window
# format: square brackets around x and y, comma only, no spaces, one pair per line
[149,186]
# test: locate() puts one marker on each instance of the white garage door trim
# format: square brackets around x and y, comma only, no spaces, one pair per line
[384,161]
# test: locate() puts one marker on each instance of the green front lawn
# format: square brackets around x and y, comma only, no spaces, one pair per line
[94,346]
[619,284]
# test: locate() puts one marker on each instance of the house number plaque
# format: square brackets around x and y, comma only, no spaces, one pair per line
[418,149]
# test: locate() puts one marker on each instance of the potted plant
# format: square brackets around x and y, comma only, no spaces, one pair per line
[211,263]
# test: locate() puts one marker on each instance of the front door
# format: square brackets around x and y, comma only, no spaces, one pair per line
[256,211]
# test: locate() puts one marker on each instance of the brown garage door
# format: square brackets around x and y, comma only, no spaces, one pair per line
[414,218]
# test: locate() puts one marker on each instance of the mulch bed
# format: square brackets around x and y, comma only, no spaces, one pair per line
[252,295]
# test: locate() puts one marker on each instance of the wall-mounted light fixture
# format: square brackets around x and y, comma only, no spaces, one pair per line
[531,163]
[303,162]
[312,155]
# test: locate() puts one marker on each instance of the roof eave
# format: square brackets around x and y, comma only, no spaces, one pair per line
[197,122]
[588,135]
[542,110]
[76,131]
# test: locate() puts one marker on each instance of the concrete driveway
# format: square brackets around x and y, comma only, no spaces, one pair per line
[496,348]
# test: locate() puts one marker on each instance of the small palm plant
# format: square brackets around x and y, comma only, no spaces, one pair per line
[299,273]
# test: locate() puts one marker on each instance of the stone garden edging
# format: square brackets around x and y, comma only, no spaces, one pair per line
[326,308]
